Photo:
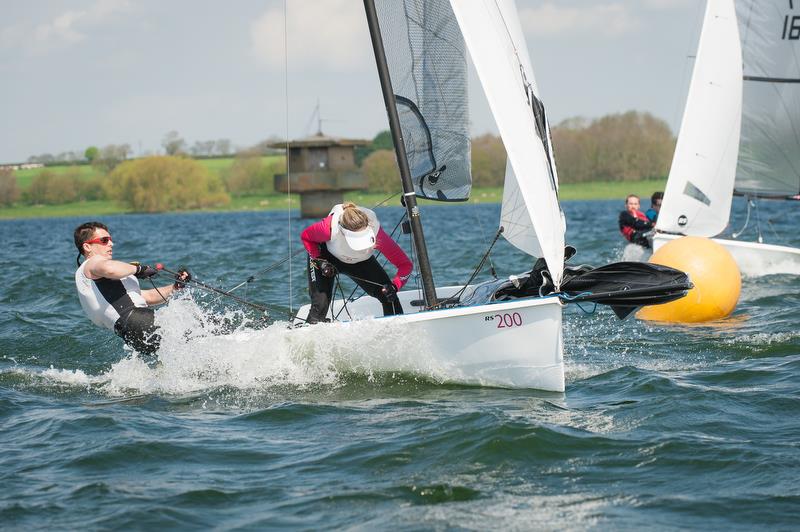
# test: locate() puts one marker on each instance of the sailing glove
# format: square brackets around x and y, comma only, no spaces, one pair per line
[389,292]
[183,277]
[326,268]
[143,271]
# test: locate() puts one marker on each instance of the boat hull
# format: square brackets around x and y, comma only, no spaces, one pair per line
[754,259]
[515,344]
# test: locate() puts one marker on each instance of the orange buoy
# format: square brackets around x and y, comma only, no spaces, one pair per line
[712,270]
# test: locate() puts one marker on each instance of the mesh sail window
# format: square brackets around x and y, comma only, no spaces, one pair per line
[769,151]
[428,66]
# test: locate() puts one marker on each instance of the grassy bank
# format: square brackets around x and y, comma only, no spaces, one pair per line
[569,191]
[87,171]
[610,190]
[82,171]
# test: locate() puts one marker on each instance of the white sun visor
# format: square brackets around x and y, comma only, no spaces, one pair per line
[359,240]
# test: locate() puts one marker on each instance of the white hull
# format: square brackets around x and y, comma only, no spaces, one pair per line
[515,344]
[754,259]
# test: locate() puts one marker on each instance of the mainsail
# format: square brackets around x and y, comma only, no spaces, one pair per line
[769,153]
[697,199]
[531,216]
[428,67]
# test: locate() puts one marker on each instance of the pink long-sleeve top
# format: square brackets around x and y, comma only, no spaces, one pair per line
[320,232]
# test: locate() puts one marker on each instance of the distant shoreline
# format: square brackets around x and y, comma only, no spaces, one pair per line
[597,190]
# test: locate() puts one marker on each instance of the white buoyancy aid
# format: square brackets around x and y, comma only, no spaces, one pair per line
[338,246]
[104,300]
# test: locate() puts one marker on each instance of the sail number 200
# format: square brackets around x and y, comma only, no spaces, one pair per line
[791,25]
[505,320]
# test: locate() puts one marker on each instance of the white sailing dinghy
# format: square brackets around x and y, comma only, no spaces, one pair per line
[740,132]
[505,332]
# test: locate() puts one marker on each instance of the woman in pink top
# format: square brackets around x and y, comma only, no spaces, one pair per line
[344,242]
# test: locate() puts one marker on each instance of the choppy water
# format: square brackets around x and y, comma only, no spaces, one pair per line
[665,427]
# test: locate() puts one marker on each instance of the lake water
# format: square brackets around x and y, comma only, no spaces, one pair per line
[660,426]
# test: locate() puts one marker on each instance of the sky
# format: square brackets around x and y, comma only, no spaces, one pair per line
[96,72]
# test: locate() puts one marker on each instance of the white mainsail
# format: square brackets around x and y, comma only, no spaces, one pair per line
[697,199]
[531,216]
[769,152]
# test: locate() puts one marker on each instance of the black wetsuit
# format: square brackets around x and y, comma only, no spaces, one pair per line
[367,274]
[138,329]
[135,325]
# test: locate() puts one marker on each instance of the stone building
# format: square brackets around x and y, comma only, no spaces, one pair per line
[321,170]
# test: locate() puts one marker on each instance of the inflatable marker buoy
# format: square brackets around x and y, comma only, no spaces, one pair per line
[716,278]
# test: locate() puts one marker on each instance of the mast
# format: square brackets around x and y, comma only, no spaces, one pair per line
[409,196]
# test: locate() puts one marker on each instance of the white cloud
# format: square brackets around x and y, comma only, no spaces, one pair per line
[62,28]
[65,28]
[330,35]
[609,19]
[669,4]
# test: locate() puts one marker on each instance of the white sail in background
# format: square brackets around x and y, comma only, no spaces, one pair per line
[697,199]
[769,153]
[531,217]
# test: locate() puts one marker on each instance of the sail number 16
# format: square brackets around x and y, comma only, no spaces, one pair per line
[791,25]
[791,28]
[505,320]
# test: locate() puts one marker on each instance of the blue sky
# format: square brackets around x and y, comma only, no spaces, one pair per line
[95,72]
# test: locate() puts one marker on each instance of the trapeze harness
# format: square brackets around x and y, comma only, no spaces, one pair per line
[118,305]
[325,240]
[633,227]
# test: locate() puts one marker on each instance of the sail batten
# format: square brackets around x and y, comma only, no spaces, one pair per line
[771,80]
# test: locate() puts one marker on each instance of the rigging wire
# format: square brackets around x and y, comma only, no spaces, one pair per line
[156,288]
[772,228]
[483,233]
[296,252]
[455,297]
[758,225]
[268,269]
[288,168]
[750,204]
[265,307]
[571,299]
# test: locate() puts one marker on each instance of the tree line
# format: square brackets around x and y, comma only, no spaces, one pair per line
[150,184]
[629,146]
[620,147]
[172,143]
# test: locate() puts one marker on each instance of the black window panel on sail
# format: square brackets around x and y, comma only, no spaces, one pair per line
[419,145]
[544,135]
[427,63]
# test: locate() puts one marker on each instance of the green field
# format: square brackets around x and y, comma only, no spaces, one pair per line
[611,189]
[86,171]
[25,177]
[568,191]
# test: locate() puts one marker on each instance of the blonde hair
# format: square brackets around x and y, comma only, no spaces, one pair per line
[353,218]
